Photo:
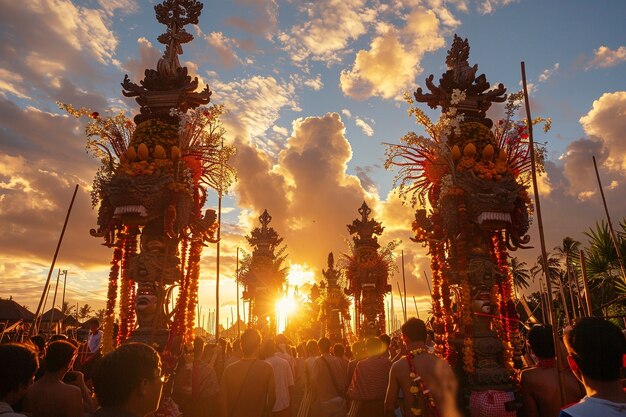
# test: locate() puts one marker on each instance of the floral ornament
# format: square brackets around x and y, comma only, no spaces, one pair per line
[422,396]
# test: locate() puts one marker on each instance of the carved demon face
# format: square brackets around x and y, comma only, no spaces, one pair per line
[138,199]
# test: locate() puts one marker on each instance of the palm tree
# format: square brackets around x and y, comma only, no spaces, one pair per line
[84,311]
[67,309]
[556,276]
[567,253]
[100,314]
[520,273]
[603,268]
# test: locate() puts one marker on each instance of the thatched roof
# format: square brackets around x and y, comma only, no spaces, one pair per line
[53,314]
[12,311]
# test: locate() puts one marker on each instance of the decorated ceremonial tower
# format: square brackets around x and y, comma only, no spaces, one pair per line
[474,175]
[263,276]
[151,190]
[334,308]
[367,274]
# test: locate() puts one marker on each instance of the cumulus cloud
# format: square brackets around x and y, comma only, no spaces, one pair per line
[148,58]
[607,121]
[329,28]
[391,64]
[263,20]
[123,6]
[605,57]
[364,126]
[489,6]
[315,84]
[548,73]
[224,47]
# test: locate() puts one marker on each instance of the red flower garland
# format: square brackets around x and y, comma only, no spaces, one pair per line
[127,291]
[418,386]
[109,314]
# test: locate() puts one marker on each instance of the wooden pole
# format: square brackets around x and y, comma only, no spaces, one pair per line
[401,302]
[237,283]
[583,268]
[54,300]
[416,310]
[544,252]
[404,283]
[54,259]
[428,283]
[608,218]
[64,284]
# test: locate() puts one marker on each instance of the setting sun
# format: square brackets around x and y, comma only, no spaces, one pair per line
[300,274]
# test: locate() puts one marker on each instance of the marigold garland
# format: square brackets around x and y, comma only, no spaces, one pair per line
[127,290]
[418,386]
[109,314]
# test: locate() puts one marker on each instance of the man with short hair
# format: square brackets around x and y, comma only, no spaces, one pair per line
[596,349]
[128,381]
[18,364]
[247,386]
[283,378]
[50,396]
[436,376]
[370,380]
[339,352]
[540,384]
[329,382]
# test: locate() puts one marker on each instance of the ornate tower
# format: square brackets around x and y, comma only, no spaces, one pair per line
[472,174]
[334,311]
[263,276]
[152,189]
[367,275]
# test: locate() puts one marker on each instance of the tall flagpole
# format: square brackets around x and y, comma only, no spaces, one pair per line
[54,259]
[544,252]
[608,218]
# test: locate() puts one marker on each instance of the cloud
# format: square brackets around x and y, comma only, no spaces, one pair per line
[329,28]
[391,64]
[224,47]
[53,43]
[148,58]
[605,57]
[364,126]
[347,113]
[123,6]
[489,6]
[548,73]
[315,84]
[364,175]
[607,121]
[264,18]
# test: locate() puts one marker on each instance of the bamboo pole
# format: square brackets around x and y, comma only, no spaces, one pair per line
[237,283]
[583,268]
[54,259]
[608,218]
[401,302]
[404,283]
[544,255]
[416,310]
[54,300]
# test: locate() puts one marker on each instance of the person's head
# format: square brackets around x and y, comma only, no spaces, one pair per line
[56,337]
[129,377]
[324,345]
[414,330]
[268,348]
[541,342]
[18,364]
[208,352]
[311,348]
[338,350]
[596,348]
[198,347]
[250,342]
[281,339]
[60,356]
[94,325]
[374,346]
[40,343]
[358,349]
[386,340]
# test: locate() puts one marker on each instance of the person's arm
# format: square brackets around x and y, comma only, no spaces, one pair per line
[271,387]
[74,405]
[79,382]
[223,398]
[352,388]
[391,397]
[530,408]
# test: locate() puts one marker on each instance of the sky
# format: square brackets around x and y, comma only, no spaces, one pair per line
[313,90]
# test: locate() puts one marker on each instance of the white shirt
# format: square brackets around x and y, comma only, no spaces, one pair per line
[591,407]
[283,379]
[7,411]
[94,341]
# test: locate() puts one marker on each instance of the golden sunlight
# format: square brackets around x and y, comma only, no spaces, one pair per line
[285,309]
[300,274]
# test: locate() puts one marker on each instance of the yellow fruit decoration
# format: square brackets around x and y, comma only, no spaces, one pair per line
[143,152]
[456,152]
[488,152]
[175,152]
[469,150]
[159,152]
[502,156]
[131,155]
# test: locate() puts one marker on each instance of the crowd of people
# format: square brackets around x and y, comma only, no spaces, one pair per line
[255,377]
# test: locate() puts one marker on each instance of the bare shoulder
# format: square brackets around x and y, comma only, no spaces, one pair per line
[399,367]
